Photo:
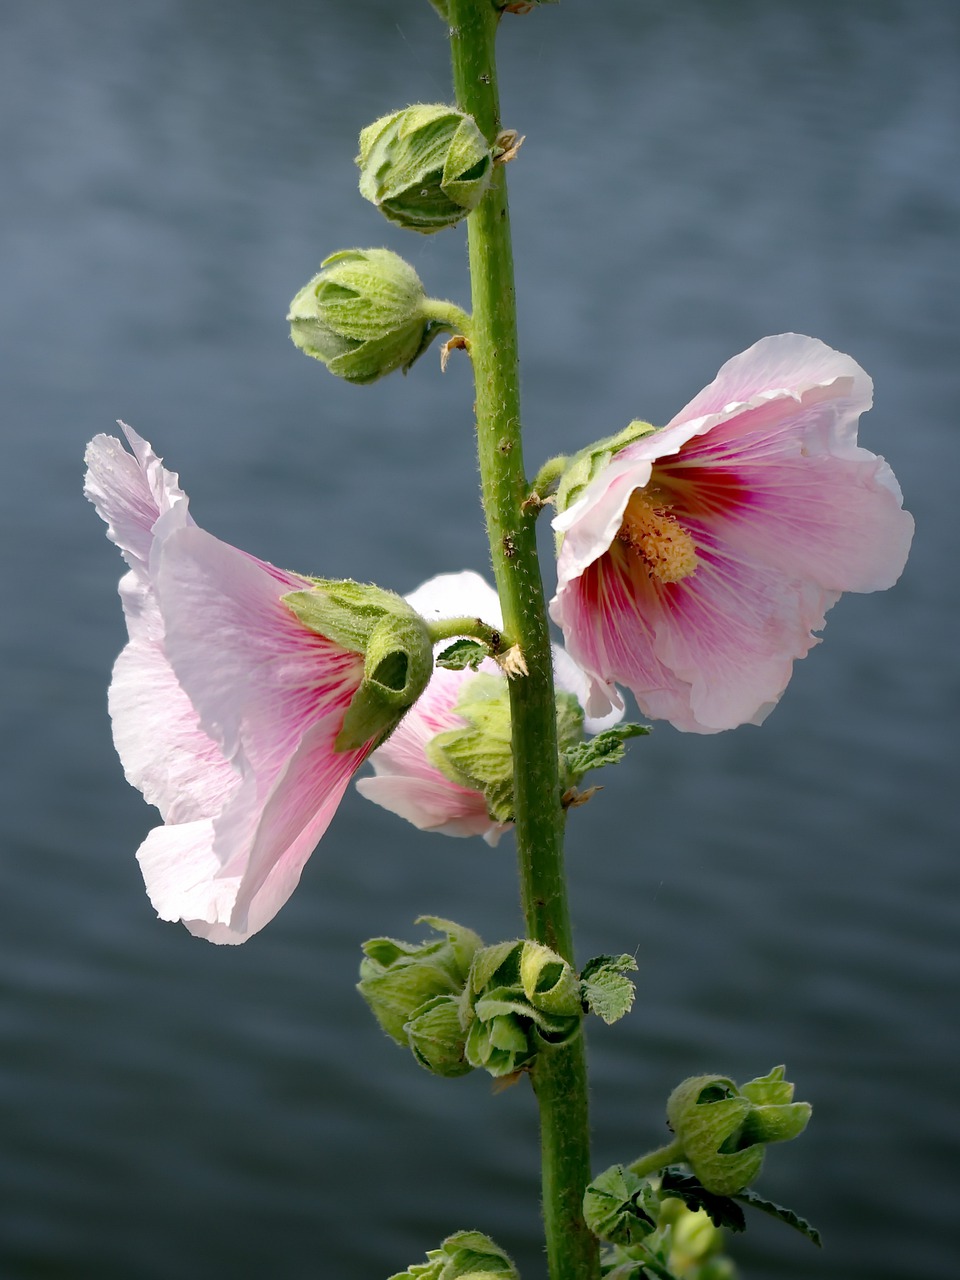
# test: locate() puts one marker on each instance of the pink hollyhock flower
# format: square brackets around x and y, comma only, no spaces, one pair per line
[695,565]
[225,706]
[407,782]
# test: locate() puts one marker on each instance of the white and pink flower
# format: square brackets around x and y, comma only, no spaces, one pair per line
[224,705]
[406,781]
[696,565]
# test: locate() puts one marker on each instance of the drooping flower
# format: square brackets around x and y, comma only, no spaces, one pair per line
[415,781]
[233,712]
[696,561]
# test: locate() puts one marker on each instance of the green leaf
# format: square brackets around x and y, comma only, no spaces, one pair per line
[786,1216]
[606,989]
[463,653]
[722,1210]
[606,748]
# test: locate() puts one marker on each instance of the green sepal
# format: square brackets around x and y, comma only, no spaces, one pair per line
[607,991]
[606,747]
[397,979]
[364,315]
[436,1037]
[424,167]
[466,1255]
[769,1090]
[395,643]
[549,983]
[462,654]
[620,1207]
[589,462]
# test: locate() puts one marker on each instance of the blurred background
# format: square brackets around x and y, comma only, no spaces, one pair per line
[696,174]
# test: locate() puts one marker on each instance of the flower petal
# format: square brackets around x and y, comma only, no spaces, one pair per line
[157,733]
[433,805]
[455,595]
[131,492]
[257,677]
[784,364]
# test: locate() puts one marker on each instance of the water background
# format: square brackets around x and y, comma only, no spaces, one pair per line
[697,173]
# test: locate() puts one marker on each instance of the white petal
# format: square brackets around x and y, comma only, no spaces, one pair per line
[454,595]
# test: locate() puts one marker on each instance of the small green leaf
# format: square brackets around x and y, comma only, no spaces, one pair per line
[722,1210]
[608,747]
[463,653]
[606,989]
[786,1216]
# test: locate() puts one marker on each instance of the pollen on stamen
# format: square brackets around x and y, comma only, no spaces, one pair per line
[667,550]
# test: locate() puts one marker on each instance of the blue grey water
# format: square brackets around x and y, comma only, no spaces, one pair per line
[696,173]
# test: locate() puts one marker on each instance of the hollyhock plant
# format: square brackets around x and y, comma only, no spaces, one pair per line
[696,561]
[228,706]
[407,780]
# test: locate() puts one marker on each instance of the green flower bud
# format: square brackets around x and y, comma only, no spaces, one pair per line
[520,997]
[395,642]
[436,1038]
[364,315]
[399,979]
[467,1255]
[424,167]
[724,1132]
[620,1207]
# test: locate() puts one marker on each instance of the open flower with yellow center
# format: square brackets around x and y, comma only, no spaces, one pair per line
[697,562]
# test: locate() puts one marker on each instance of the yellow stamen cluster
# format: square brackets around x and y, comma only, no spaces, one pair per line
[667,550]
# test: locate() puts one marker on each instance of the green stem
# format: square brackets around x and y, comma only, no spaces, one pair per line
[453,628]
[447,314]
[654,1161]
[559,1076]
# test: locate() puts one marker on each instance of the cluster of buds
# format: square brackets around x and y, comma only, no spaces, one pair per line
[365,313]
[457,1004]
[520,998]
[415,992]
[649,1231]
[466,1255]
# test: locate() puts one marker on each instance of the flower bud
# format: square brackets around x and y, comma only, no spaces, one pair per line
[436,1037]
[398,979]
[424,167]
[724,1132]
[520,997]
[466,1255]
[620,1207]
[363,315]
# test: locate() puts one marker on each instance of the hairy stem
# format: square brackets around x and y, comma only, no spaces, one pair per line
[654,1161]
[559,1076]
